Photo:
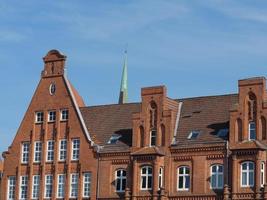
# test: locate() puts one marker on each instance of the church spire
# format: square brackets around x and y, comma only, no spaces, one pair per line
[123,98]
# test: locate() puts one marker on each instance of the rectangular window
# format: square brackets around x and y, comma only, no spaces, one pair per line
[51,116]
[74,185]
[75,149]
[153,137]
[61,186]
[64,115]
[23,188]
[50,151]
[37,151]
[86,184]
[48,186]
[62,150]
[35,186]
[252,130]
[11,188]
[25,152]
[39,117]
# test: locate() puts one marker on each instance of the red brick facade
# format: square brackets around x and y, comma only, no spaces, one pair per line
[202,148]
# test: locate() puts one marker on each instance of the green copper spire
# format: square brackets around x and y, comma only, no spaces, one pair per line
[124,82]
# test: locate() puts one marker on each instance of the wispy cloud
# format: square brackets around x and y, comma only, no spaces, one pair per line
[11,36]
[240,10]
[112,20]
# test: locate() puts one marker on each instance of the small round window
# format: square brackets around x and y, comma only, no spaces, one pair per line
[52,89]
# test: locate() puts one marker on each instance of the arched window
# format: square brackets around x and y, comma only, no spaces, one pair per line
[153,137]
[247,174]
[216,180]
[262,174]
[120,180]
[263,128]
[238,129]
[183,177]
[252,106]
[153,115]
[160,177]
[141,139]
[146,178]
[252,130]
[162,128]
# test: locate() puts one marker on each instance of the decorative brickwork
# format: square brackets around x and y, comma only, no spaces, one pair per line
[203,148]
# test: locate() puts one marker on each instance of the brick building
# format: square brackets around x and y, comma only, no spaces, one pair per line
[202,148]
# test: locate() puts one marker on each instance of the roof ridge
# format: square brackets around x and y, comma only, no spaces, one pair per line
[175,99]
[207,96]
[107,105]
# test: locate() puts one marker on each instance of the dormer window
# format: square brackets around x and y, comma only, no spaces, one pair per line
[153,137]
[252,130]
[193,135]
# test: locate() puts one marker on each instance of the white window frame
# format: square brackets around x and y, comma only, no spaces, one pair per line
[52,116]
[39,117]
[62,151]
[23,188]
[25,152]
[184,175]
[262,174]
[61,186]
[74,185]
[11,188]
[217,174]
[146,176]
[87,184]
[160,177]
[75,149]
[48,189]
[35,186]
[250,129]
[153,137]
[64,115]
[50,148]
[37,152]
[119,179]
[247,171]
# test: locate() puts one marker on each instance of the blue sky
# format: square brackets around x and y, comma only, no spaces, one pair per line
[195,48]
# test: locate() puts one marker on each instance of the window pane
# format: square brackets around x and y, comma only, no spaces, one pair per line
[244,166]
[220,181]
[150,170]
[181,182]
[118,186]
[220,168]
[187,170]
[213,169]
[149,182]
[244,178]
[213,181]
[143,182]
[251,178]
[123,184]
[251,166]
[187,182]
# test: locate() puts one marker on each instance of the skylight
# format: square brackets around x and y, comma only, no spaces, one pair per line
[193,135]
[223,132]
[113,139]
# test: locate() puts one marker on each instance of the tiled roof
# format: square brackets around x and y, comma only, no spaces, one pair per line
[207,115]
[104,121]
